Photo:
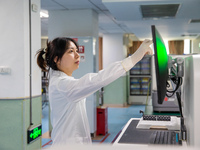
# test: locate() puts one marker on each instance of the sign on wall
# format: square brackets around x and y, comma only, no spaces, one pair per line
[82,53]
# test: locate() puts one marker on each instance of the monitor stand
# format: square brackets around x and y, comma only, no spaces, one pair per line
[169,104]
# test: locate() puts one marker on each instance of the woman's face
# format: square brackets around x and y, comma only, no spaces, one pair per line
[70,60]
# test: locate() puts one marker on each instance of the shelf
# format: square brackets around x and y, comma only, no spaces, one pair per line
[139,80]
[143,67]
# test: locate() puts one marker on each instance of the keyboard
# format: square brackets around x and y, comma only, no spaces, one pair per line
[159,122]
[165,137]
[156,118]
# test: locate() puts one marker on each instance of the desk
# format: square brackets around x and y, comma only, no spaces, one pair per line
[130,135]
[124,130]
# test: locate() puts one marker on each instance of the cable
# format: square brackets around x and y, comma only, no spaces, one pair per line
[179,103]
[178,82]
[148,91]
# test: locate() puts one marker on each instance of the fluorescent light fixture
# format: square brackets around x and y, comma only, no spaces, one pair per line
[167,46]
[44,14]
[187,46]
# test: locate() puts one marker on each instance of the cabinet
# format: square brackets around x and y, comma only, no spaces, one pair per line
[140,81]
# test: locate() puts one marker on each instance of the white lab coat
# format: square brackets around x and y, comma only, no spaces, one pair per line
[67,97]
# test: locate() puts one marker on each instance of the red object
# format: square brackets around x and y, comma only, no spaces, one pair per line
[81,49]
[75,39]
[166,99]
[102,121]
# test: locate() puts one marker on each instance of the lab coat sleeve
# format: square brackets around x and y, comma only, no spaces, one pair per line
[77,89]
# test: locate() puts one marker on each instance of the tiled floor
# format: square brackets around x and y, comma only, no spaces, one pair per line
[117,118]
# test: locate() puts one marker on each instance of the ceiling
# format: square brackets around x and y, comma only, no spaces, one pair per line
[128,16]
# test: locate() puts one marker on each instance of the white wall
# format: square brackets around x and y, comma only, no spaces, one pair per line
[196,45]
[14,52]
[73,23]
[113,49]
[14,86]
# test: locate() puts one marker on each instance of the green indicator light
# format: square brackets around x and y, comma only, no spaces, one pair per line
[34,133]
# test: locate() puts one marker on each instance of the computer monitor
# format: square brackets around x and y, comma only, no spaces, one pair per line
[161,64]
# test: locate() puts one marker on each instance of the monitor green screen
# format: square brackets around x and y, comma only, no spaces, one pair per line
[161,64]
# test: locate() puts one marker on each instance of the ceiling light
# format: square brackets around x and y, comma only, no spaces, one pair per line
[189,35]
[44,14]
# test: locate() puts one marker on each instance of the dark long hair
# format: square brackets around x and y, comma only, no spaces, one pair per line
[55,48]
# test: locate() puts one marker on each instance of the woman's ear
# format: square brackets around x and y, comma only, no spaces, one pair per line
[56,59]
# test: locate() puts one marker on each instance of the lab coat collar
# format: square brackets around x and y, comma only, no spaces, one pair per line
[58,73]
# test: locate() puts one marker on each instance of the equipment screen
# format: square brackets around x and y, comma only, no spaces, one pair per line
[161,64]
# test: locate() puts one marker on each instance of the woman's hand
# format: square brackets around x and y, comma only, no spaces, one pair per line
[143,50]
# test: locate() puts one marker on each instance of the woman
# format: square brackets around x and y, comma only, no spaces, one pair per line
[67,94]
